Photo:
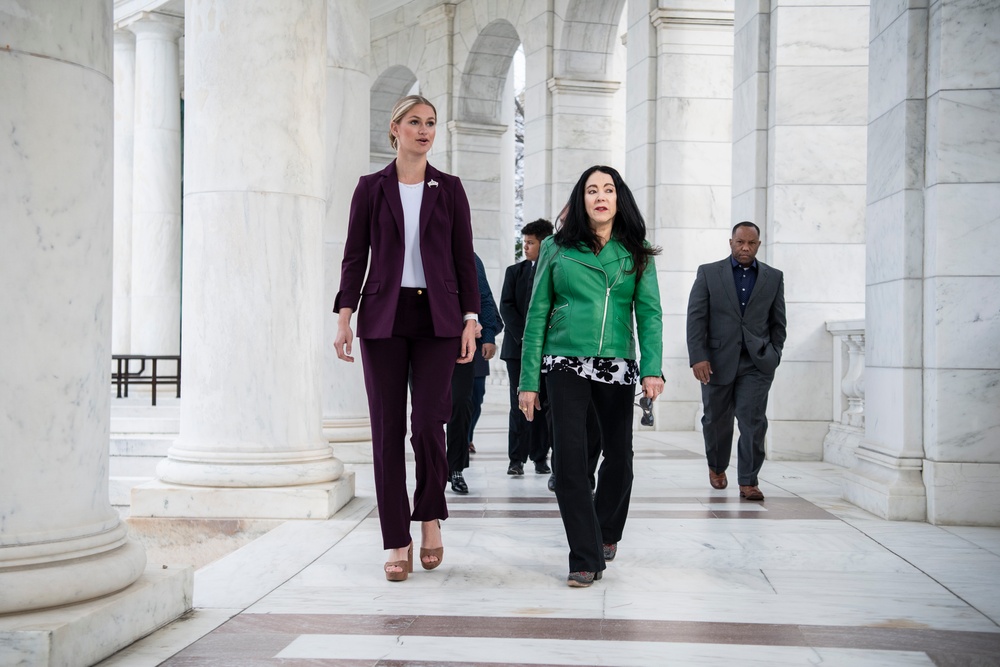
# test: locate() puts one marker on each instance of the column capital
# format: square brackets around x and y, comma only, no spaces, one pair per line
[153,23]
[676,17]
[465,127]
[124,38]
[586,86]
[443,12]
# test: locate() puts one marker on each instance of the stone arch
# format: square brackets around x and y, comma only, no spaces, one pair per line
[393,83]
[486,72]
[586,43]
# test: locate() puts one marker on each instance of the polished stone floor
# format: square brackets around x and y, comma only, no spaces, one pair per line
[701,578]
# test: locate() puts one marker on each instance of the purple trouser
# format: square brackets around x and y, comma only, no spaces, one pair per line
[413,357]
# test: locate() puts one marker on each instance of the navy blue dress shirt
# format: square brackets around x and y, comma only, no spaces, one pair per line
[745,279]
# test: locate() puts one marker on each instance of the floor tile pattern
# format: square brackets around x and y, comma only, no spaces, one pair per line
[702,578]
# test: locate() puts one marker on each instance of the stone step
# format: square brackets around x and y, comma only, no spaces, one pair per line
[141,444]
[128,424]
[120,491]
[132,466]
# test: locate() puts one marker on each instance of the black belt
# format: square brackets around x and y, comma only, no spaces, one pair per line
[412,291]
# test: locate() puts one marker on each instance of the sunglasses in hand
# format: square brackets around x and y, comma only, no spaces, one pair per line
[646,404]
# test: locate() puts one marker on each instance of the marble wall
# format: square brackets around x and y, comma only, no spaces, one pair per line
[688,198]
[932,316]
[573,99]
[886,478]
[799,172]
[961,278]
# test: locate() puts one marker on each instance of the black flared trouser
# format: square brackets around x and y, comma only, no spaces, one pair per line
[591,522]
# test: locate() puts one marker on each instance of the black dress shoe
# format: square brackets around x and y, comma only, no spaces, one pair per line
[542,468]
[552,483]
[515,468]
[458,484]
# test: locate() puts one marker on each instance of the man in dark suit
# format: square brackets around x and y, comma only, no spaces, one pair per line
[524,438]
[735,334]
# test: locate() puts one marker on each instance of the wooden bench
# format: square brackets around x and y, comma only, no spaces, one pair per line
[124,375]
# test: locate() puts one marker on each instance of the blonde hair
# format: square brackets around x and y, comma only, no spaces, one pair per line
[399,110]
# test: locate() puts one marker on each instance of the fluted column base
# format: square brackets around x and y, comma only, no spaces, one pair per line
[198,467]
[308,501]
[54,570]
[86,633]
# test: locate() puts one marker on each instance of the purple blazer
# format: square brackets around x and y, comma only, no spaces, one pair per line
[376,227]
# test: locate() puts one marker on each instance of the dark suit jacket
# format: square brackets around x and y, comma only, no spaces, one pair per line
[488,317]
[715,327]
[514,299]
[376,226]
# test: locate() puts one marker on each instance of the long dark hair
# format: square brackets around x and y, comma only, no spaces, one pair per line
[629,227]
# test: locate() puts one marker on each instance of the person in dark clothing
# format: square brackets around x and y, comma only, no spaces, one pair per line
[462,382]
[524,439]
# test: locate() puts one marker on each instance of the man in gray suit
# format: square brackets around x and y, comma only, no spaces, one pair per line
[735,332]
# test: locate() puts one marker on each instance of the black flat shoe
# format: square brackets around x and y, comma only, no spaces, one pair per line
[583,579]
[458,484]
[552,483]
[515,469]
[542,468]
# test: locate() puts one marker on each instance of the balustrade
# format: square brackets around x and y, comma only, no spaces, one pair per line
[847,429]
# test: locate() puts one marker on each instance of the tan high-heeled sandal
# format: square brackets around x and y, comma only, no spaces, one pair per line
[405,566]
[436,552]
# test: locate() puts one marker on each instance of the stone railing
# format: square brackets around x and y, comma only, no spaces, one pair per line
[848,428]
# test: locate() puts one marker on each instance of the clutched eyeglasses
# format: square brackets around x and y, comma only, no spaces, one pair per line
[646,404]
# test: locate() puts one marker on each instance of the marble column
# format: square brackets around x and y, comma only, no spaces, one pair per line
[538,63]
[584,126]
[933,366]
[478,158]
[640,104]
[156,194]
[799,131]
[886,478]
[692,113]
[961,278]
[345,406]
[506,242]
[61,541]
[438,82]
[124,84]
[251,441]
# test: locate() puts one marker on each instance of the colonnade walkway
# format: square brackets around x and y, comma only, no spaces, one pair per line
[701,578]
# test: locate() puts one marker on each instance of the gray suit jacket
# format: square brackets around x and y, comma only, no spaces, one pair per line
[715,327]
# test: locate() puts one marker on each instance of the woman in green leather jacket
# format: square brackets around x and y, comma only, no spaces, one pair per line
[593,276]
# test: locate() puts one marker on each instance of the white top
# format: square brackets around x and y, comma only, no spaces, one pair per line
[413,266]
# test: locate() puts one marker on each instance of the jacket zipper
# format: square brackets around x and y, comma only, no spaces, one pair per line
[607,295]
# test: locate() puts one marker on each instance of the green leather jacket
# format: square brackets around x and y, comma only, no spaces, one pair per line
[582,306]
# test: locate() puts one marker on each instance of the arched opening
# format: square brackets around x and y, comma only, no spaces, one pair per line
[395,82]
